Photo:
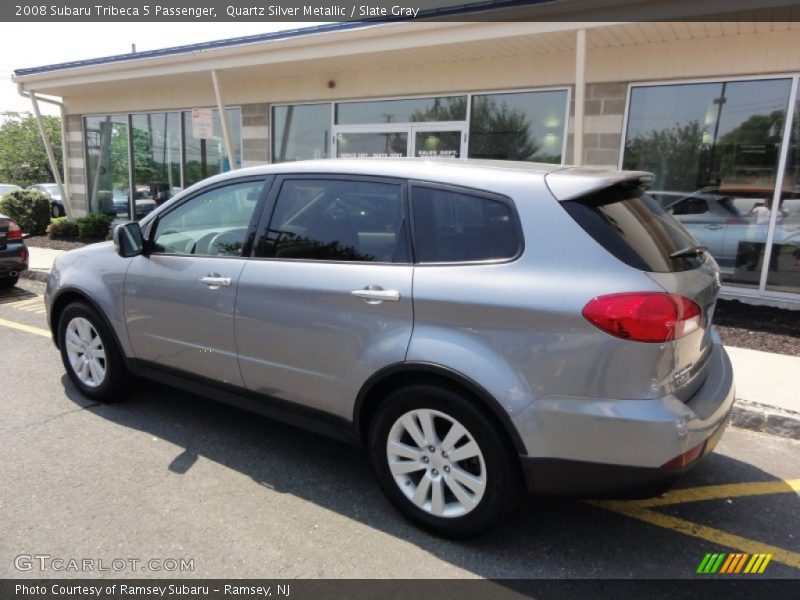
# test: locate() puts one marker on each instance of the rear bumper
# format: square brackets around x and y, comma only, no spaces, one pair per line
[591,447]
[13,259]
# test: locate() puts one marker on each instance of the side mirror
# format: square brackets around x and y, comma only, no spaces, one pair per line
[128,240]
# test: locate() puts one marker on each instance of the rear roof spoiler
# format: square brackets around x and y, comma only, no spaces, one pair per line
[574,182]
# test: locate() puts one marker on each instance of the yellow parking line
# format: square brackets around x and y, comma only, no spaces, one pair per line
[715,492]
[27,328]
[709,534]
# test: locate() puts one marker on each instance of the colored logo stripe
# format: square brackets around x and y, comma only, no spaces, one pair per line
[722,562]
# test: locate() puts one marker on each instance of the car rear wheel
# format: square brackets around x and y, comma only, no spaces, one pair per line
[90,354]
[442,462]
[55,211]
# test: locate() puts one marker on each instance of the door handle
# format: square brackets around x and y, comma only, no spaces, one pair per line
[713,226]
[214,281]
[376,295]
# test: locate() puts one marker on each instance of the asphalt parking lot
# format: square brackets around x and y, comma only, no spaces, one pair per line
[170,476]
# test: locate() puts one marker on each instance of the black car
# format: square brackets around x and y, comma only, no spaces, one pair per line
[13,253]
[54,195]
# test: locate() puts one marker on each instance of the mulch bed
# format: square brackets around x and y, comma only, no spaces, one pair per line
[758,327]
[42,241]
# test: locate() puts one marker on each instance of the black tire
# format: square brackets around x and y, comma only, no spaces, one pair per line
[8,282]
[55,211]
[503,479]
[115,383]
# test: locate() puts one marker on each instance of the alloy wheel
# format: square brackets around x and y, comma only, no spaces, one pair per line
[85,351]
[436,462]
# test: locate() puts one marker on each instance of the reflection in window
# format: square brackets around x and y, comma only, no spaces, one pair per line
[206,157]
[784,264]
[526,126]
[371,145]
[451,227]
[411,110]
[156,159]
[107,164]
[718,143]
[214,223]
[337,220]
[300,132]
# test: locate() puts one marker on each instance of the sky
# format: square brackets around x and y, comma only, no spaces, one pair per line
[37,44]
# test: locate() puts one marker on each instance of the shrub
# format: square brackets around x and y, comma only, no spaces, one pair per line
[62,228]
[93,227]
[29,208]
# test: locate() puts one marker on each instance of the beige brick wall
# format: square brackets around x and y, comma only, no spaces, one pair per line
[76,165]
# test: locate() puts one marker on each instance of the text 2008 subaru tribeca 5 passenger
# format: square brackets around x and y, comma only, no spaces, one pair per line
[480,327]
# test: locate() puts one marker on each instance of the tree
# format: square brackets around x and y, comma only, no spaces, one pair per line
[498,131]
[23,160]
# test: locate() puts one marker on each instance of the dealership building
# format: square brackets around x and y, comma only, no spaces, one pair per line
[708,104]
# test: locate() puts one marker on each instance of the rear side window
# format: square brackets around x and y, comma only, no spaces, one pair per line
[634,227]
[456,226]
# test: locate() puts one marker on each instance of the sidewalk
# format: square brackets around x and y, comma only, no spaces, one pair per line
[767,385]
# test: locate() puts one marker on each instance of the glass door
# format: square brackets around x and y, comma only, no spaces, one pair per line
[437,141]
[361,143]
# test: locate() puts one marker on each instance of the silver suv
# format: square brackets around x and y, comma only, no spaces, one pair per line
[481,327]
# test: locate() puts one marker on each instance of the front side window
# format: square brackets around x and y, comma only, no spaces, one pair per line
[451,226]
[213,223]
[339,220]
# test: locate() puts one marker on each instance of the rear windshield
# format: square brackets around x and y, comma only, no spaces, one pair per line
[634,227]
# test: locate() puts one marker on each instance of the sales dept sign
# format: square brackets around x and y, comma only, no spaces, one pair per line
[202,123]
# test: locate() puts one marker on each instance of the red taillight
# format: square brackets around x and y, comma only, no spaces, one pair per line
[644,316]
[14,232]
[685,459]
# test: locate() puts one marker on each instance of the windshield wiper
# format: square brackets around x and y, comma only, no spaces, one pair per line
[690,251]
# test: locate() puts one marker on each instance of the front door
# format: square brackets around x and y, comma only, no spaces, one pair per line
[179,299]
[328,301]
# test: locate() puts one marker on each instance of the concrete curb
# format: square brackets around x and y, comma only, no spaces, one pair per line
[35,275]
[766,419]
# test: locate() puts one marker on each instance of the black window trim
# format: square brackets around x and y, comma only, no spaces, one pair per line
[267,180]
[268,212]
[508,202]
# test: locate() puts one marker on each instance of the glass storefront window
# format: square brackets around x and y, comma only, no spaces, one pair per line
[372,145]
[206,157]
[107,164]
[156,159]
[714,149]
[300,132]
[411,110]
[784,264]
[526,126]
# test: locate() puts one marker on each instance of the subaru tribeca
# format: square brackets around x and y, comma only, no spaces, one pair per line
[481,327]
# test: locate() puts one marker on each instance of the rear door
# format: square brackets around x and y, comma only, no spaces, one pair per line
[326,301]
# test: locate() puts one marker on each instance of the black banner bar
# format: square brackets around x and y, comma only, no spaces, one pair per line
[395,10]
[732,588]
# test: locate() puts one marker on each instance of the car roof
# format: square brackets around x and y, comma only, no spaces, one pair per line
[565,181]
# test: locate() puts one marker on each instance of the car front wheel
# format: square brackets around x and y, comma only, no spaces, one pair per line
[442,462]
[90,354]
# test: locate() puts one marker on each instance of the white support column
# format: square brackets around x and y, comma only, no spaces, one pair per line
[66,193]
[580,96]
[223,117]
[47,148]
